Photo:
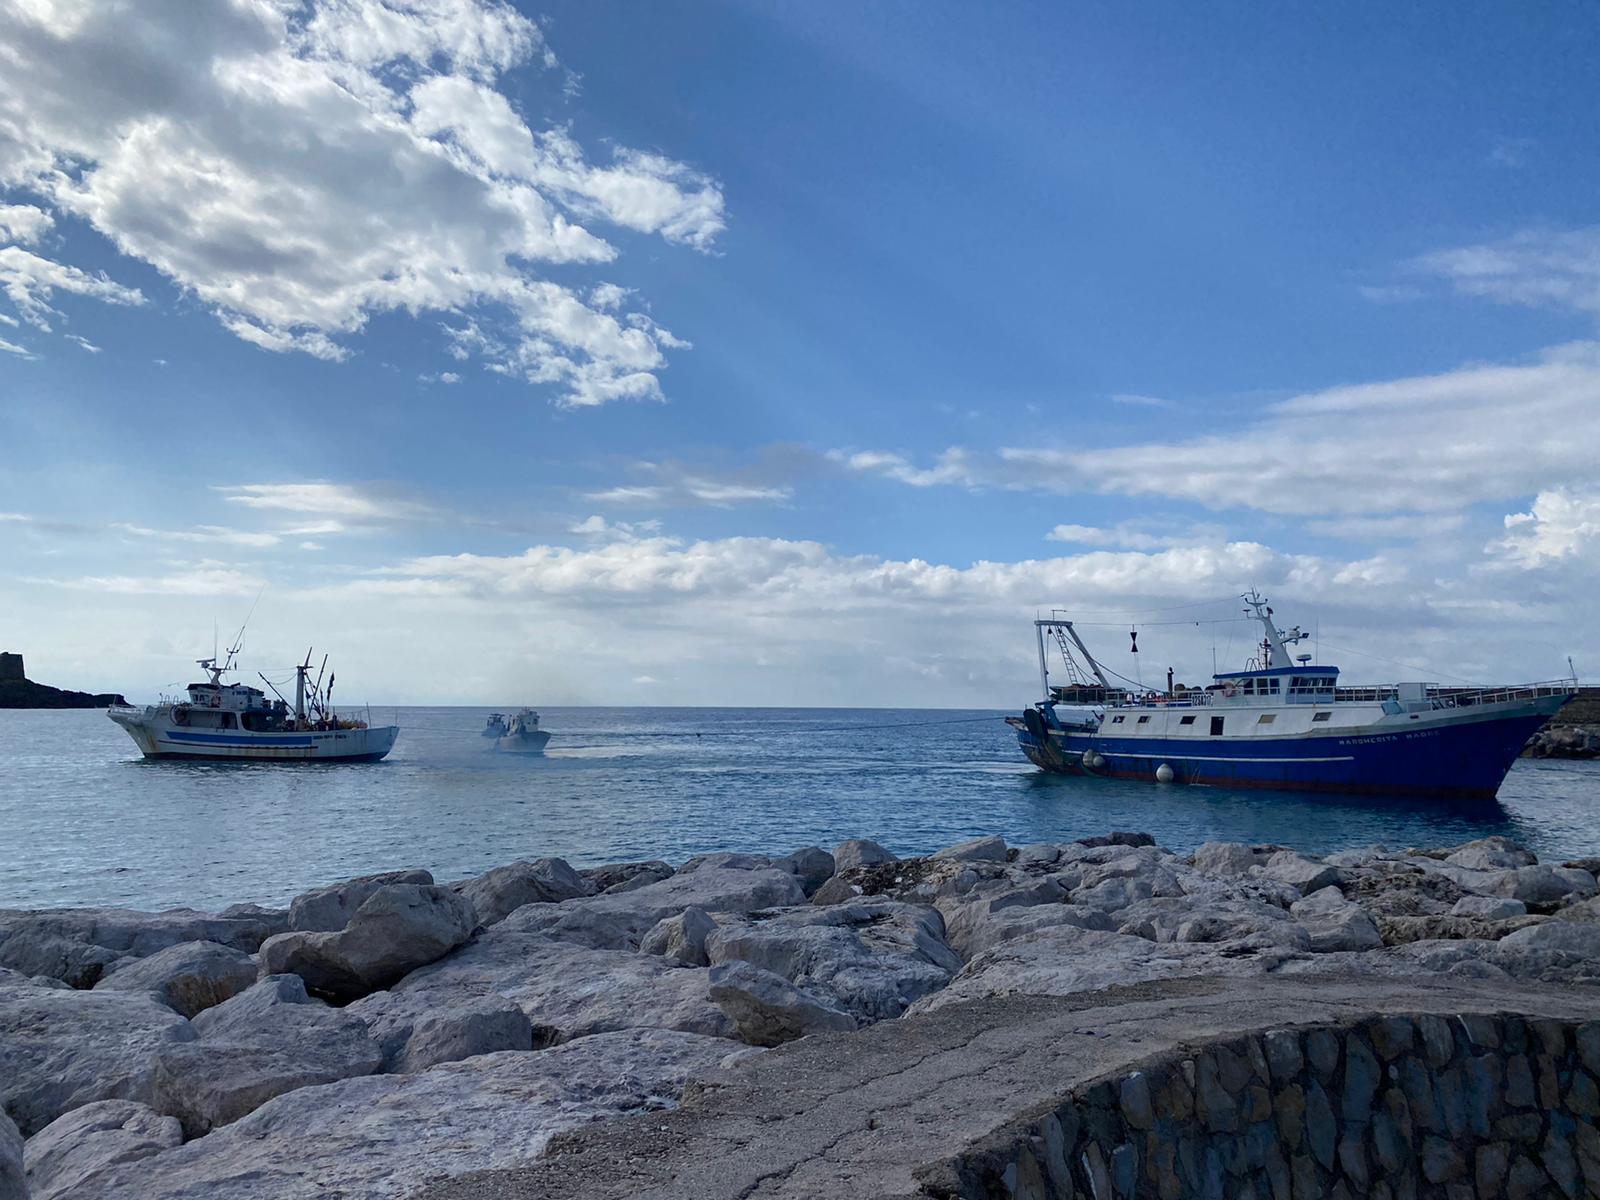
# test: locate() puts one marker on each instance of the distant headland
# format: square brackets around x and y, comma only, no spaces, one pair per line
[18,691]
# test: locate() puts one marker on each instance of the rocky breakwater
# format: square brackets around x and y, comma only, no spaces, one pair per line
[386,1032]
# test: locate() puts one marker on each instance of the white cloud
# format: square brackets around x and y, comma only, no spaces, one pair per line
[1404,526]
[23,222]
[204,533]
[1136,401]
[1092,535]
[1535,267]
[1562,524]
[299,169]
[675,486]
[324,499]
[1425,444]
[30,282]
[12,348]
[204,579]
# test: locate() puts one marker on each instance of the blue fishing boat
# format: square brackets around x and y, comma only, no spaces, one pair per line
[1281,723]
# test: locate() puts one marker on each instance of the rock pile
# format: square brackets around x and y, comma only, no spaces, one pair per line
[534,997]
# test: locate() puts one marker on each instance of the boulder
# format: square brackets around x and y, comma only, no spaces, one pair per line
[1559,951]
[626,876]
[1488,908]
[768,1010]
[78,945]
[415,1033]
[254,1054]
[400,927]
[859,852]
[982,930]
[86,1140]
[618,920]
[1543,885]
[1040,853]
[1202,919]
[680,939]
[1335,923]
[1404,889]
[871,958]
[1304,874]
[726,860]
[187,978]
[1226,858]
[13,1186]
[61,1048]
[1584,910]
[329,909]
[1118,837]
[568,990]
[1400,930]
[1065,960]
[983,849]
[244,1011]
[496,894]
[1490,854]
[383,1137]
[973,919]
[812,866]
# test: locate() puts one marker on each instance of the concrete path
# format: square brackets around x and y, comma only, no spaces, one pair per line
[873,1114]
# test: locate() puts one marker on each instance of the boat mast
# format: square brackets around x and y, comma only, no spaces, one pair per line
[1039,626]
[1276,645]
[300,673]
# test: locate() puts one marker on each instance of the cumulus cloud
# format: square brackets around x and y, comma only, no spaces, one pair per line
[301,168]
[1562,524]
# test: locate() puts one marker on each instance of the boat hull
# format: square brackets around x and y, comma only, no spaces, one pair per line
[523,743]
[161,739]
[1462,756]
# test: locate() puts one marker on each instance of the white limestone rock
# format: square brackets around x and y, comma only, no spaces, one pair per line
[872,957]
[680,939]
[13,1185]
[1488,908]
[382,1137]
[415,1032]
[1304,874]
[398,928]
[568,990]
[1226,858]
[768,1010]
[496,894]
[244,1011]
[726,860]
[79,945]
[1040,853]
[1209,920]
[1558,951]
[61,1048]
[624,877]
[187,978]
[1541,884]
[256,1054]
[1491,854]
[812,866]
[983,849]
[617,921]
[1335,923]
[78,1144]
[859,852]
[329,909]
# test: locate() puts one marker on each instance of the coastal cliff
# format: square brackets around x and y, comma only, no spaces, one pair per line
[1090,1018]
[18,691]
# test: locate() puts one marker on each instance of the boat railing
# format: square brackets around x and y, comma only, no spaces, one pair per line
[1469,697]
[1436,696]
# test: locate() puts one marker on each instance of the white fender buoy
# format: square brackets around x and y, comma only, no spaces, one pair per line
[1163,774]
[1093,759]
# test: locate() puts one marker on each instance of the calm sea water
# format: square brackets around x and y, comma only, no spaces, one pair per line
[84,820]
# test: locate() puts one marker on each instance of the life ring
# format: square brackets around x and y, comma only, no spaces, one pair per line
[1228,689]
[180,716]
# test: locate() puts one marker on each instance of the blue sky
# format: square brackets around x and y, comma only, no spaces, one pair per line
[792,353]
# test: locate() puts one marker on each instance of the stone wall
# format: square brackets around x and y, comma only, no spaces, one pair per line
[1392,1108]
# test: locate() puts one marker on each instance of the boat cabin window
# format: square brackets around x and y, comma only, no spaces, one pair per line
[1266,718]
[1321,716]
[1116,720]
[228,721]
[1145,720]
[1216,725]
[1189,720]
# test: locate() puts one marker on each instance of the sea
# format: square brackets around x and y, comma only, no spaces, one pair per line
[85,821]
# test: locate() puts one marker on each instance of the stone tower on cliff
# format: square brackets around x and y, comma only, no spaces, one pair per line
[11,666]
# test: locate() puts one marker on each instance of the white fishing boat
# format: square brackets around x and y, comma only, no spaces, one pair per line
[234,721]
[495,727]
[523,735]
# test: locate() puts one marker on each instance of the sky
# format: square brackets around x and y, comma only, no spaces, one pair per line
[781,353]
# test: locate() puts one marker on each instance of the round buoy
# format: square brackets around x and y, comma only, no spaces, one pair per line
[1163,774]
[1093,759]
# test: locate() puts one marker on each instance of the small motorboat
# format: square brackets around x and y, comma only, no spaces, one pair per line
[496,726]
[523,735]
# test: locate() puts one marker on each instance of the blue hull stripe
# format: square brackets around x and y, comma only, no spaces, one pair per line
[233,739]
